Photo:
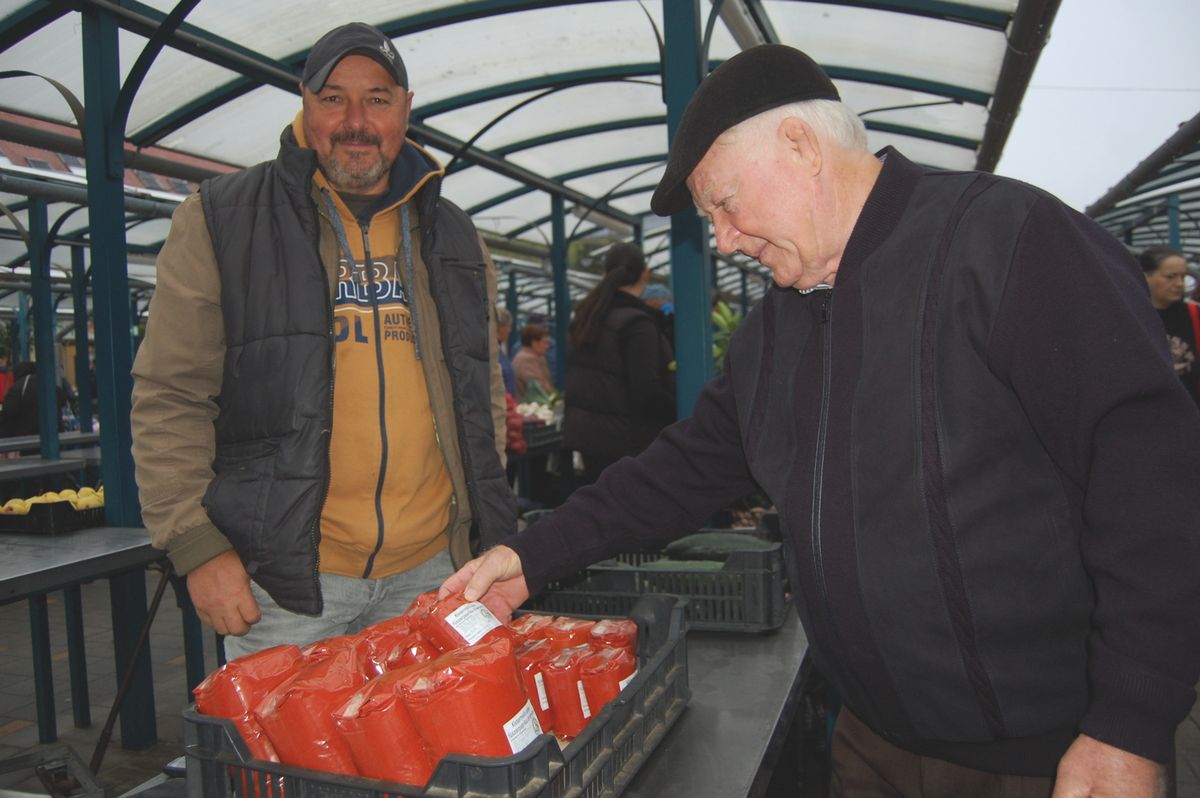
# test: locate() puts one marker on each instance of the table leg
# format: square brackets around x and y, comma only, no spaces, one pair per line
[193,635]
[139,729]
[43,673]
[77,657]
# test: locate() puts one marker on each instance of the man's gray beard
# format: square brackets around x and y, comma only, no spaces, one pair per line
[353,181]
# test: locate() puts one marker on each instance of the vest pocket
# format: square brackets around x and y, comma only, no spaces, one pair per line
[236,499]
[465,307]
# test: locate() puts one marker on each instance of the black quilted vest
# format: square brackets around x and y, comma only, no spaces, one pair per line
[276,403]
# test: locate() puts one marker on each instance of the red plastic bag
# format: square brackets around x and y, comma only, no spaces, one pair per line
[298,714]
[531,656]
[236,688]
[566,632]
[471,701]
[379,730]
[604,673]
[329,646]
[455,622]
[568,700]
[612,632]
[526,627]
[421,606]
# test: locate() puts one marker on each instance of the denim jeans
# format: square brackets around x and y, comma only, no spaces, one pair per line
[351,605]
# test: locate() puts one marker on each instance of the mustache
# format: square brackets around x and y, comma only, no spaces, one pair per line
[355,137]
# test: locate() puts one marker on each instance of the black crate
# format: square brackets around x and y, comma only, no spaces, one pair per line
[52,518]
[539,435]
[748,593]
[599,763]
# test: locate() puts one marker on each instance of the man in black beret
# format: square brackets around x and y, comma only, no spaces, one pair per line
[316,401]
[988,493]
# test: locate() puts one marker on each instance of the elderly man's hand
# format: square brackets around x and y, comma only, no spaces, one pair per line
[495,579]
[1092,769]
[220,591]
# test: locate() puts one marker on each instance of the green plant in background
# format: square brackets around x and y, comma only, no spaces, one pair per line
[725,321]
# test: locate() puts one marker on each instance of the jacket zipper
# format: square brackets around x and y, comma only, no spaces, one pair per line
[819,464]
[383,453]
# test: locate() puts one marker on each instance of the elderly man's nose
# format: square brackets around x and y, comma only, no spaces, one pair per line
[726,236]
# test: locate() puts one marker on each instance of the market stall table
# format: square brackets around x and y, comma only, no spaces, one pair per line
[33,565]
[745,693]
[32,443]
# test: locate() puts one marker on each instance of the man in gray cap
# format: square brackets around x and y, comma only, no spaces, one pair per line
[300,506]
[988,495]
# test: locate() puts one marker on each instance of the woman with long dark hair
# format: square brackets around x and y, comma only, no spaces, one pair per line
[620,392]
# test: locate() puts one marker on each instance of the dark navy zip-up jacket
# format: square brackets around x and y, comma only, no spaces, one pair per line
[985,471]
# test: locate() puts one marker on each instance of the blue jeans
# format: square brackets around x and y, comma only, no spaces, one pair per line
[351,605]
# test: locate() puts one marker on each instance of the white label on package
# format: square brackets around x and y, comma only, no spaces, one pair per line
[627,680]
[472,621]
[543,701]
[522,729]
[583,704]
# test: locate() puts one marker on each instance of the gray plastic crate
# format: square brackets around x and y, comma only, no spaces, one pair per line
[599,763]
[748,594]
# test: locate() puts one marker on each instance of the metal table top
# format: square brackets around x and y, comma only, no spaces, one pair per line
[32,564]
[31,443]
[744,694]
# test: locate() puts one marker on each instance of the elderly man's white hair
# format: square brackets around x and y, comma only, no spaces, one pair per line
[832,120]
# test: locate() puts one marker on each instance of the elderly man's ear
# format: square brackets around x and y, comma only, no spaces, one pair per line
[803,144]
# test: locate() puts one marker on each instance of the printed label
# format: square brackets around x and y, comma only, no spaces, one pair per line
[472,621]
[583,703]
[627,680]
[543,701]
[522,729]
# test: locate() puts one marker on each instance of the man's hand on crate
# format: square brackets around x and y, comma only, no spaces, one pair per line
[495,579]
[220,591]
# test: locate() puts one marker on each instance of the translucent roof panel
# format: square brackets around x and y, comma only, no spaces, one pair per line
[908,46]
[553,96]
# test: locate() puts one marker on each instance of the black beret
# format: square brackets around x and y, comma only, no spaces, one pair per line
[751,82]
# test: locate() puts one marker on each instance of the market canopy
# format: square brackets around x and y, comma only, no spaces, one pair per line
[521,100]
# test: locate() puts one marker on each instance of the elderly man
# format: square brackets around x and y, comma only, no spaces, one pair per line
[299,505]
[988,498]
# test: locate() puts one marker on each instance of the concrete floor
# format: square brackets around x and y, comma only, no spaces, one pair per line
[124,770]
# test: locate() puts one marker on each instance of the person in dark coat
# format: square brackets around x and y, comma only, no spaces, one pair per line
[19,415]
[620,392]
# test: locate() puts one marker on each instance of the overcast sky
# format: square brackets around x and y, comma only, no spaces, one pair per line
[1117,78]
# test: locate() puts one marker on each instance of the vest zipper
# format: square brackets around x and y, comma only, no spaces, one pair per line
[368,266]
[314,528]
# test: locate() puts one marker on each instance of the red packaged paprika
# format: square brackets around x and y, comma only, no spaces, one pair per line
[526,626]
[613,632]
[379,730]
[470,700]
[566,632]
[298,714]
[531,656]
[568,700]
[236,688]
[604,673]
[421,605]
[327,647]
[455,622]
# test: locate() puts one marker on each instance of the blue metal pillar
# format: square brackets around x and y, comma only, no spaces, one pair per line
[1173,235]
[43,320]
[514,305]
[691,278]
[23,325]
[114,384]
[83,346]
[562,296]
